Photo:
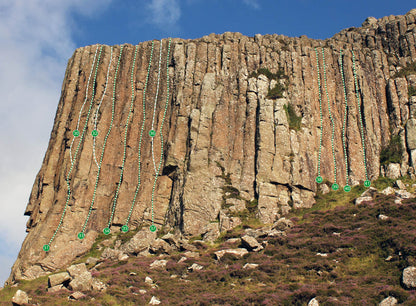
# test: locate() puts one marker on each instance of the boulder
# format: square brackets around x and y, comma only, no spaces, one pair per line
[393,171]
[92,261]
[409,277]
[361,200]
[236,252]
[82,282]
[251,244]
[148,280]
[388,191]
[160,245]
[403,194]
[77,295]
[250,266]
[399,184]
[370,192]
[98,285]
[388,301]
[313,302]
[195,267]
[154,301]
[57,288]
[324,189]
[283,224]
[140,242]
[76,270]
[20,298]
[57,279]
[158,264]
[382,217]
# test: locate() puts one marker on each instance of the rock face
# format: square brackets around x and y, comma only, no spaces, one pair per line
[224,135]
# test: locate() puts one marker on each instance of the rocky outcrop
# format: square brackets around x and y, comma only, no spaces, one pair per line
[224,135]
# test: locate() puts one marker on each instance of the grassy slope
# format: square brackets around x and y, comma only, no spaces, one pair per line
[290,272]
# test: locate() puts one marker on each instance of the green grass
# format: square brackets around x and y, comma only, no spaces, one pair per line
[280,74]
[276,92]
[408,70]
[393,152]
[411,90]
[295,122]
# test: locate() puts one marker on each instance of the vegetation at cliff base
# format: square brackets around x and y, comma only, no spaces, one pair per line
[393,152]
[337,252]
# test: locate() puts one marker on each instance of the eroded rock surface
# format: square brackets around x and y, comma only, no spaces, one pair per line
[224,136]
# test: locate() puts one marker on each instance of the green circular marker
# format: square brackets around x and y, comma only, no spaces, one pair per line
[124,228]
[319,179]
[367,183]
[94,133]
[335,186]
[153,228]
[81,235]
[46,248]
[75,133]
[106,231]
[152,133]
[347,188]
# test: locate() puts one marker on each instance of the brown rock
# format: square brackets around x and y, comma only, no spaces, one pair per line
[140,242]
[81,282]
[251,243]
[409,277]
[221,129]
[57,279]
[20,298]
[236,252]
[77,295]
[76,270]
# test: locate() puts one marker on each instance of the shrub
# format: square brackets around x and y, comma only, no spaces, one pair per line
[276,92]
[411,90]
[408,70]
[294,120]
[393,152]
[280,74]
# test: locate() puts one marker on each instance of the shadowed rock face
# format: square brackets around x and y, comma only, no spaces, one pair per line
[220,129]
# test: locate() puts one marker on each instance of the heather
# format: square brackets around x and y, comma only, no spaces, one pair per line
[340,254]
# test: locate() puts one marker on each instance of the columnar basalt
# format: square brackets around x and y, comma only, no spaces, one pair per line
[221,128]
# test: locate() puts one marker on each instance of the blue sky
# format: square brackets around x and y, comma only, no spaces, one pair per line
[37,37]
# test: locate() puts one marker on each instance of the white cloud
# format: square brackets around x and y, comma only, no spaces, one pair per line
[164,13]
[36,43]
[253,3]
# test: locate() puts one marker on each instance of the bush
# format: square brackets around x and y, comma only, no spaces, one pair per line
[393,152]
[276,92]
[411,90]
[294,120]
[280,74]
[408,70]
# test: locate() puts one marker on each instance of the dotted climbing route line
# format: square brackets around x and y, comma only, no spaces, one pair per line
[81,235]
[95,131]
[319,178]
[367,182]
[334,185]
[347,188]
[76,132]
[107,229]
[47,246]
[152,133]
[153,227]
[125,227]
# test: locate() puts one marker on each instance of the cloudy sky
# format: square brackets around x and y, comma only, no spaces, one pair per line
[37,37]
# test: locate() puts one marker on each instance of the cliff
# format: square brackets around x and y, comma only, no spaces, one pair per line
[186,134]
